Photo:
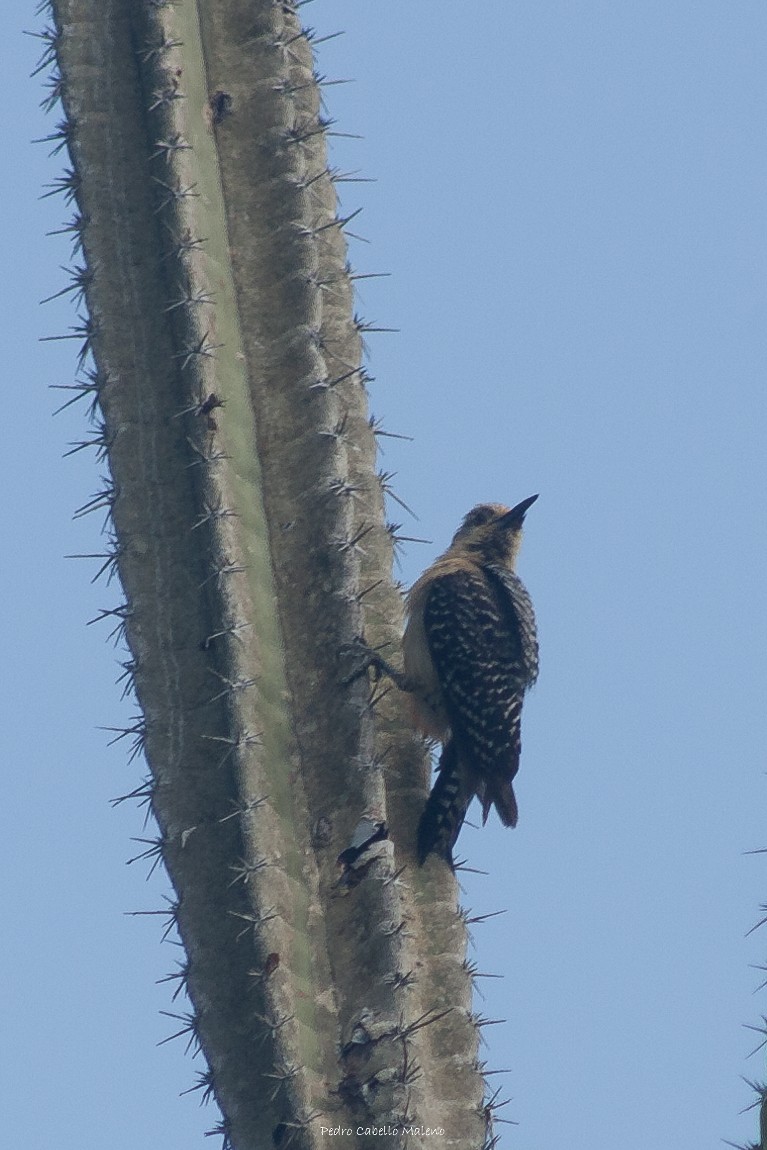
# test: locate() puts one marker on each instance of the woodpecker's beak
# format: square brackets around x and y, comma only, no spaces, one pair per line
[517,514]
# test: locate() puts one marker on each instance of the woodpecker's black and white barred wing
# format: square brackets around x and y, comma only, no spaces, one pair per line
[521,606]
[480,628]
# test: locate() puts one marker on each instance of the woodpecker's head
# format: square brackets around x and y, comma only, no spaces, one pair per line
[492,532]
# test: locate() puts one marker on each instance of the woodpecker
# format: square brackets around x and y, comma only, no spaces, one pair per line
[470,652]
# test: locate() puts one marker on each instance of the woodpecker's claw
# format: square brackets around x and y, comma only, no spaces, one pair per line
[364,657]
[370,660]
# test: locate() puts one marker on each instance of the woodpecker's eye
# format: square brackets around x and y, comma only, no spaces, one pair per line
[478,517]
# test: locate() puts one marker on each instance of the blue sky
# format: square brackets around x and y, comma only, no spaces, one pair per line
[570,200]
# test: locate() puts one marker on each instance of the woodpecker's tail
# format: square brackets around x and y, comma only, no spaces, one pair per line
[500,794]
[445,808]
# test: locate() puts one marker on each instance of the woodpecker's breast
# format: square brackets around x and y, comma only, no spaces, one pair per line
[426,698]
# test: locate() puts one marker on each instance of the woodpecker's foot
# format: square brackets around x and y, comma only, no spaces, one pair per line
[360,657]
[365,658]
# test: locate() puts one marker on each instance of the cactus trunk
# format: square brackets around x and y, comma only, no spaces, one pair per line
[247,527]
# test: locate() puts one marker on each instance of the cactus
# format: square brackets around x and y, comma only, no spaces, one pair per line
[222,360]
